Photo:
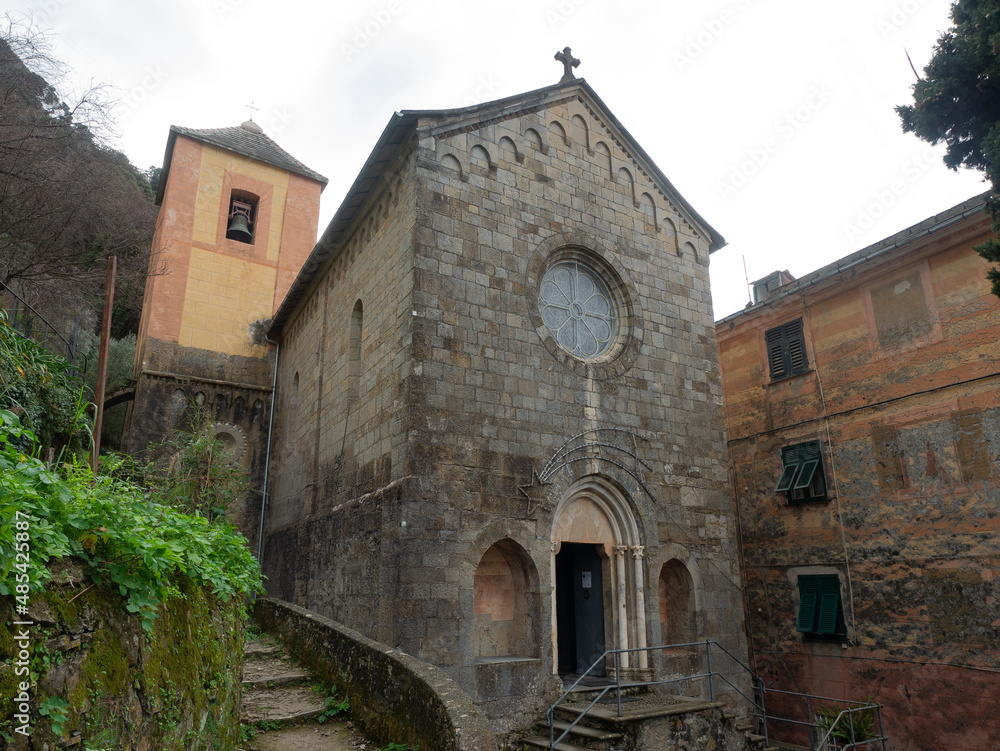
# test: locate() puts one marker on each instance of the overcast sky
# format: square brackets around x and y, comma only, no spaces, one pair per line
[774,118]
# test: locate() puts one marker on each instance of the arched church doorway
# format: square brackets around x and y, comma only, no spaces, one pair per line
[598,599]
[579,608]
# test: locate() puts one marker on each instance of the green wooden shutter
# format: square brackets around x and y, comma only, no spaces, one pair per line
[828,603]
[808,598]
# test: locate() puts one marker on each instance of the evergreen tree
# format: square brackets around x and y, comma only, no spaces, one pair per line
[958,102]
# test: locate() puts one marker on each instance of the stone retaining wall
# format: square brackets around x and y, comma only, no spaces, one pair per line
[394,697]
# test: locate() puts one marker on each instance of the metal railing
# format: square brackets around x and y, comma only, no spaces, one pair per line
[842,725]
[709,676]
[836,732]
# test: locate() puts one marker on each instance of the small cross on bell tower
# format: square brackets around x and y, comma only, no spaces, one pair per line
[569,62]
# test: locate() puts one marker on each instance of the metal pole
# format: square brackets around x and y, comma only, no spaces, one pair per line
[711,683]
[102,361]
[267,455]
[618,682]
[763,713]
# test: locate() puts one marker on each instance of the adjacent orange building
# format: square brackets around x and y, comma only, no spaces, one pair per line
[863,423]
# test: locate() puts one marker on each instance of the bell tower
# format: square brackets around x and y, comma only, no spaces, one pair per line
[238,218]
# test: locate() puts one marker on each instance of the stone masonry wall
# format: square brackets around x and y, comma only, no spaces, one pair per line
[394,697]
[464,399]
[495,398]
[338,441]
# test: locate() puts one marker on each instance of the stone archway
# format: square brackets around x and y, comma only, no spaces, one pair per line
[678,624]
[504,616]
[595,520]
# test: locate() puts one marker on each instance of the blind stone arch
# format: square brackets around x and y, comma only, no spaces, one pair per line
[503,603]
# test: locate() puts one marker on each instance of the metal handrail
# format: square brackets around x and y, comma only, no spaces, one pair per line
[756,699]
[758,708]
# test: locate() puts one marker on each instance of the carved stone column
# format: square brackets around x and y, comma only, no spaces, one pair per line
[640,606]
[620,588]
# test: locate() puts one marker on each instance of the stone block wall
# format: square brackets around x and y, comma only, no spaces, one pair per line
[461,403]
[338,438]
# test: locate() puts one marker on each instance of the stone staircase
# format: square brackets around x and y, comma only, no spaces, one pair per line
[649,721]
[282,706]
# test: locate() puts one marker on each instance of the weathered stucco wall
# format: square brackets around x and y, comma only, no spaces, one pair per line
[177,688]
[393,696]
[904,404]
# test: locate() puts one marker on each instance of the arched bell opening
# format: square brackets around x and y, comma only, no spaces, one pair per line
[598,600]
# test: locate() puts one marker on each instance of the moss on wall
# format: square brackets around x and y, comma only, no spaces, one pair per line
[177,688]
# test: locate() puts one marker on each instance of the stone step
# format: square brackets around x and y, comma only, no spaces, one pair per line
[654,707]
[258,648]
[284,704]
[537,741]
[585,731]
[290,678]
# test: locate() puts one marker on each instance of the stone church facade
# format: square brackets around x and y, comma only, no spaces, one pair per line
[497,441]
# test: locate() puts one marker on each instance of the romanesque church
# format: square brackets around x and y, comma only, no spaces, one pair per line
[484,408]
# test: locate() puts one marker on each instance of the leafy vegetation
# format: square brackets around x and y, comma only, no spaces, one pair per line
[41,388]
[126,540]
[331,706]
[958,102]
[195,475]
[853,726]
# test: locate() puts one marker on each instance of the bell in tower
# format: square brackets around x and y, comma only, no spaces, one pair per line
[240,219]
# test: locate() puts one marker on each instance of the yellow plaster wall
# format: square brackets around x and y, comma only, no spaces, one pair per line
[224,295]
[214,163]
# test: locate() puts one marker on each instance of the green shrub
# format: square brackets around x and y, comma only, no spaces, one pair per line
[140,547]
[38,386]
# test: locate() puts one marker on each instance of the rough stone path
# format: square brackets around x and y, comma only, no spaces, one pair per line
[279,700]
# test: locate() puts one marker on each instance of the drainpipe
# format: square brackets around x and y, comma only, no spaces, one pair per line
[267,453]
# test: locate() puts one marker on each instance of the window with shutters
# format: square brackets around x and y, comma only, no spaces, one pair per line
[786,350]
[821,610]
[802,477]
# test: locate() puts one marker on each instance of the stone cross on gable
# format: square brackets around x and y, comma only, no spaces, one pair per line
[569,62]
